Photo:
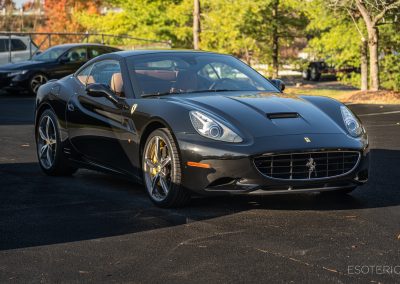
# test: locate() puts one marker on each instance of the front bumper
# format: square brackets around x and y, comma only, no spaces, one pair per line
[232,170]
[18,82]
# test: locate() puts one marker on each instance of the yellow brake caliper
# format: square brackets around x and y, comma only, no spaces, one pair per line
[154,171]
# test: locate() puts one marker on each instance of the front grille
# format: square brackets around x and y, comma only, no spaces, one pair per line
[310,165]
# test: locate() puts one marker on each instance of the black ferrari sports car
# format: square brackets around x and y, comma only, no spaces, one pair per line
[54,63]
[187,122]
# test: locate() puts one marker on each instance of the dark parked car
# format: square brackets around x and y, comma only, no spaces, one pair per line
[316,69]
[194,122]
[54,63]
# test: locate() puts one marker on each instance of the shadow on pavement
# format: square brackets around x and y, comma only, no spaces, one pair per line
[39,210]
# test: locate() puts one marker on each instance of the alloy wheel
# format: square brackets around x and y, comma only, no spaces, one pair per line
[36,81]
[157,166]
[47,142]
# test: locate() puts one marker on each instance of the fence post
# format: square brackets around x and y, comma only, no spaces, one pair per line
[49,37]
[9,48]
[30,46]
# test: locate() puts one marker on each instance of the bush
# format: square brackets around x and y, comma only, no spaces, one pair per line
[352,79]
[390,72]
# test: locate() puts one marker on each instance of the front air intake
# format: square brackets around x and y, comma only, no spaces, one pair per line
[308,165]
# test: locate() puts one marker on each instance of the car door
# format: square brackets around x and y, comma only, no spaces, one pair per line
[95,124]
[19,50]
[70,61]
[4,55]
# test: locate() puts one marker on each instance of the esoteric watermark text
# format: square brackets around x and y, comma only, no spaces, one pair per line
[373,269]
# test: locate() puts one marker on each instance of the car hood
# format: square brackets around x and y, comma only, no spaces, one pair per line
[22,65]
[258,113]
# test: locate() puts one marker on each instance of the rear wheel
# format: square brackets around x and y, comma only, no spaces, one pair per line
[315,75]
[162,174]
[49,152]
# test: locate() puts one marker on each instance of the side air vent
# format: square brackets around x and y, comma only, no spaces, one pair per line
[280,115]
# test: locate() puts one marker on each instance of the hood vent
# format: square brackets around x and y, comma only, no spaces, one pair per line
[279,115]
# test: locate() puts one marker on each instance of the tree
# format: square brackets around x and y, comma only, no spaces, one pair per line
[7,6]
[372,13]
[196,24]
[273,24]
[149,19]
[60,15]
[355,17]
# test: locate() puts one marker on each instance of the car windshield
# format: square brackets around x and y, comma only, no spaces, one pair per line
[189,72]
[50,54]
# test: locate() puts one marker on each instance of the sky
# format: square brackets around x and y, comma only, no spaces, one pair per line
[19,3]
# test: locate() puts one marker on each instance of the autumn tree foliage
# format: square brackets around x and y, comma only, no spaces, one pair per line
[60,17]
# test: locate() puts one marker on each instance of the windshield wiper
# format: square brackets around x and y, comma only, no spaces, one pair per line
[161,94]
[214,91]
[191,92]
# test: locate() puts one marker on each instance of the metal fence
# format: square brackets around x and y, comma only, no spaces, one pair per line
[43,40]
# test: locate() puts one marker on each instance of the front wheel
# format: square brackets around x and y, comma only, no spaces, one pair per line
[36,81]
[49,152]
[162,174]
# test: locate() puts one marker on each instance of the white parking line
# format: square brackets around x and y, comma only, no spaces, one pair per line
[380,113]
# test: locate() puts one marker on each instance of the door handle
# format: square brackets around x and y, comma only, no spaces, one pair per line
[71,106]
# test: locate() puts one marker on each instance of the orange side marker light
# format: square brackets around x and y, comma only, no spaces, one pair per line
[198,165]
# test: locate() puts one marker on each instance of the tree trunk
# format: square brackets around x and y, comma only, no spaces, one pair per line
[373,37]
[275,40]
[196,24]
[364,64]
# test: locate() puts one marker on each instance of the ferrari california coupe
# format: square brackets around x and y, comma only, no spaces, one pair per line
[188,122]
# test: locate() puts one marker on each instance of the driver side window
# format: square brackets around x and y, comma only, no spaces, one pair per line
[108,72]
[76,55]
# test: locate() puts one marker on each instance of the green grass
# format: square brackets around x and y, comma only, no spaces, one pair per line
[317,92]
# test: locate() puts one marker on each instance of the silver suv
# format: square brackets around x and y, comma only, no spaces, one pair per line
[20,50]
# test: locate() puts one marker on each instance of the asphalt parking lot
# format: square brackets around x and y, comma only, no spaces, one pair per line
[93,227]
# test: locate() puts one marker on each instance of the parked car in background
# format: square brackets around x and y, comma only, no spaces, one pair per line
[21,49]
[316,69]
[54,63]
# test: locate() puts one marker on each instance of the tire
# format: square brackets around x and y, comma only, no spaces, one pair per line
[338,192]
[36,81]
[162,173]
[306,75]
[48,146]
[315,75]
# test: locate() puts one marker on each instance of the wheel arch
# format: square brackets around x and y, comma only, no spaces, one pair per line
[41,109]
[154,124]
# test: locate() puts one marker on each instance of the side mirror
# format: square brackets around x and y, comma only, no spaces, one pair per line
[102,91]
[279,84]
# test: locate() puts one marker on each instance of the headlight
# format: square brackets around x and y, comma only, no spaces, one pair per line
[15,73]
[208,127]
[351,122]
